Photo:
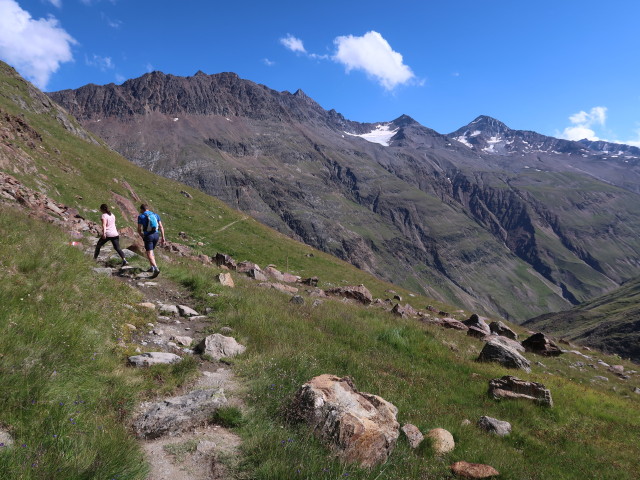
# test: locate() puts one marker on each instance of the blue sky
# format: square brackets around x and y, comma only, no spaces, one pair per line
[567,68]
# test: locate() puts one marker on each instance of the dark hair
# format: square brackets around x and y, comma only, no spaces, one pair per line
[144,207]
[105,208]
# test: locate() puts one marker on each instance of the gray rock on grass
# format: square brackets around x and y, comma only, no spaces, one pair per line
[493,425]
[218,346]
[154,358]
[6,440]
[178,414]
[506,356]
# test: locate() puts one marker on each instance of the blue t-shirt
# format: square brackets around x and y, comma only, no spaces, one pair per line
[144,220]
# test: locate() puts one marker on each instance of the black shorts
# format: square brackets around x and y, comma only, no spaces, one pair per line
[151,240]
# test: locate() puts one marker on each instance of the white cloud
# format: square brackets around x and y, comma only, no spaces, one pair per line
[373,54]
[268,62]
[103,63]
[584,123]
[56,3]
[292,43]
[36,48]
[120,78]
[111,23]
[150,68]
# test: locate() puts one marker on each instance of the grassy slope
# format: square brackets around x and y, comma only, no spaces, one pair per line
[609,322]
[427,372]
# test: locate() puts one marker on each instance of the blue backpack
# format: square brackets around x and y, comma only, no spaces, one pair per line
[152,222]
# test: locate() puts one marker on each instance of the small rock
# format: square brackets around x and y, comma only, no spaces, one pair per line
[206,447]
[187,311]
[218,346]
[226,330]
[6,440]
[153,358]
[473,470]
[358,293]
[465,422]
[297,300]
[183,340]
[147,305]
[540,344]
[130,327]
[168,309]
[493,425]
[226,280]
[512,387]
[600,378]
[441,440]
[103,271]
[414,436]
[502,330]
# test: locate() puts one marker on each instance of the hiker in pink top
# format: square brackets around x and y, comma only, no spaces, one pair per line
[109,233]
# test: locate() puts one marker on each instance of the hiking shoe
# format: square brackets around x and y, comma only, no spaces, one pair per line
[155,273]
[151,269]
[124,263]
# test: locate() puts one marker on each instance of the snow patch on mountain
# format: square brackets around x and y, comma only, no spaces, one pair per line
[381,134]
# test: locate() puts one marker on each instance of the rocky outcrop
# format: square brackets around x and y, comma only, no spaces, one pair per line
[477,326]
[513,388]
[505,356]
[361,427]
[540,344]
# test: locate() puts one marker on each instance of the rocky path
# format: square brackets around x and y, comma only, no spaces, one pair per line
[200,450]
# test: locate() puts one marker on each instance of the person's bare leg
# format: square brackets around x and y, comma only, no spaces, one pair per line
[152,258]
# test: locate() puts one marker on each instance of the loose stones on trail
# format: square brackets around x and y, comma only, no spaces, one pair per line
[441,441]
[218,346]
[153,358]
[187,311]
[178,414]
[512,387]
[473,470]
[506,356]
[493,425]
[361,427]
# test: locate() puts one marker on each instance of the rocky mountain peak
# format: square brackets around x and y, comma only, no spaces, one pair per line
[404,121]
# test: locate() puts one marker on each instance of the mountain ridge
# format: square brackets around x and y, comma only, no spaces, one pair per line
[403,201]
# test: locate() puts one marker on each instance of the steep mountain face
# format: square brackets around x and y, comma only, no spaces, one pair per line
[610,323]
[497,219]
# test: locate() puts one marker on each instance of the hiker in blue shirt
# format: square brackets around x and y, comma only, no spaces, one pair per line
[149,224]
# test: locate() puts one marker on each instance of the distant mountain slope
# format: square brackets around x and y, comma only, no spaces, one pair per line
[610,323]
[499,220]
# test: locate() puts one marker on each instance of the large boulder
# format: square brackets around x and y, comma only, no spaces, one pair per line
[178,414]
[361,427]
[499,328]
[540,344]
[404,311]
[505,356]
[448,322]
[218,346]
[246,266]
[359,293]
[512,387]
